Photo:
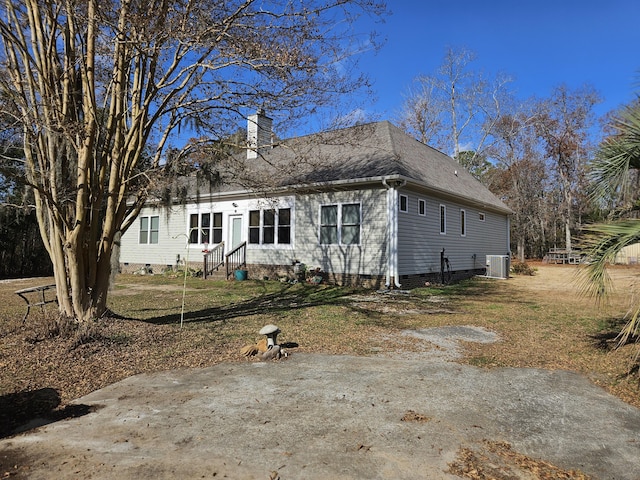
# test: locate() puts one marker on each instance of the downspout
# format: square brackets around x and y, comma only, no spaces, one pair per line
[509,235]
[392,228]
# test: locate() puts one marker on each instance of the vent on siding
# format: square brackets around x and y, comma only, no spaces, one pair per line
[498,266]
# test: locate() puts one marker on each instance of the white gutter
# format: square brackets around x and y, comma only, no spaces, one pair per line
[245,193]
[392,229]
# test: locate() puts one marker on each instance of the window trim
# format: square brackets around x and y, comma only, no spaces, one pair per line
[422,203]
[402,196]
[443,219]
[463,222]
[481,216]
[339,223]
[149,231]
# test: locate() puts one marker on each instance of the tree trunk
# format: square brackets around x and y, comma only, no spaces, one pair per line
[568,217]
[520,249]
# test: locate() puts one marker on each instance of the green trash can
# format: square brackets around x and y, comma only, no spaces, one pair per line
[241,274]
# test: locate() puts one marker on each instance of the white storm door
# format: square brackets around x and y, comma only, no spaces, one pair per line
[236,231]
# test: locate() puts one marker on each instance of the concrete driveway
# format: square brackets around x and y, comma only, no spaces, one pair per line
[313,416]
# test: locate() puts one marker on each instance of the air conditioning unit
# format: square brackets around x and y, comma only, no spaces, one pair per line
[497,266]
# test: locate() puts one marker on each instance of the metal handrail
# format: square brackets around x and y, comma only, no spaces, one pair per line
[236,258]
[213,259]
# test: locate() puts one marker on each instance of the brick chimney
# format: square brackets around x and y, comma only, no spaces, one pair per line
[258,133]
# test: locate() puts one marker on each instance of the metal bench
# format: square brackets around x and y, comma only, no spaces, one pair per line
[40,300]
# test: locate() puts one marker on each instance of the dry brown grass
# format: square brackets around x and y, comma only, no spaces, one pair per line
[541,320]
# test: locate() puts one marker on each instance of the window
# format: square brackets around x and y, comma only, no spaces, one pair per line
[404,203]
[340,224]
[254,226]
[205,228]
[149,229]
[481,216]
[463,223]
[328,224]
[216,228]
[422,207]
[194,233]
[270,226]
[351,224]
[443,219]
[284,225]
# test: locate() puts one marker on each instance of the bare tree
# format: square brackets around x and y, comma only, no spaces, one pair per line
[520,177]
[422,114]
[563,122]
[455,108]
[100,88]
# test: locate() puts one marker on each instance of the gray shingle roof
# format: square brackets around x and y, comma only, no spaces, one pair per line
[362,153]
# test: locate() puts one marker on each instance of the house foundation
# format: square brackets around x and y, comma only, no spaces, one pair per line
[289,273]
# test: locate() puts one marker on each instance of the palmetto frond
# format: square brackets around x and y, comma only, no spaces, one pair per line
[617,158]
[602,243]
[618,155]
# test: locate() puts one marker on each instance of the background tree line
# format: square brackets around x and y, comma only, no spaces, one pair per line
[22,252]
[533,153]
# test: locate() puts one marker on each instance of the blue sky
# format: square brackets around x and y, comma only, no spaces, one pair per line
[541,43]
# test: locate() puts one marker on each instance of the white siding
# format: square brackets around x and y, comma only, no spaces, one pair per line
[629,255]
[367,258]
[420,241]
[174,233]
[170,241]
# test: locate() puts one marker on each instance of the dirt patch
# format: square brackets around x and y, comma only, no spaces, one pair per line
[447,343]
[402,303]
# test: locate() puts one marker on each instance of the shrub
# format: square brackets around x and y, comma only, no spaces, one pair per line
[522,268]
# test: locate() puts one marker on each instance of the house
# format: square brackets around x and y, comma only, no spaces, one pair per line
[367,205]
[629,255]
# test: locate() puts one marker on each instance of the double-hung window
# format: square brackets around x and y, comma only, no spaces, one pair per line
[328,224]
[216,228]
[340,224]
[254,226]
[284,225]
[149,229]
[270,226]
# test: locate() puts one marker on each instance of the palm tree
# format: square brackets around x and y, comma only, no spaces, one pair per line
[615,174]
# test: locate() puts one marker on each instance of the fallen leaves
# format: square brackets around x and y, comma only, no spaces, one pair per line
[495,460]
[411,416]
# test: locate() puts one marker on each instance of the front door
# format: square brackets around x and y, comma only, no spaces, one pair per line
[236,231]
